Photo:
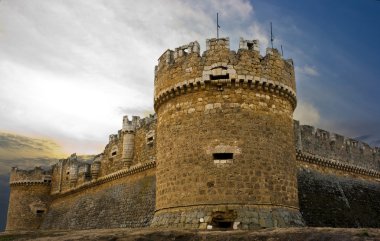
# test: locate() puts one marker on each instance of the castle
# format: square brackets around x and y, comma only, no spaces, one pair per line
[221,152]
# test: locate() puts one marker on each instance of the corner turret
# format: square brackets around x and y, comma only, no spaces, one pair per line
[29,198]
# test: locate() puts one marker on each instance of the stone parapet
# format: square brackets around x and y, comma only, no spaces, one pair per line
[321,161]
[332,146]
[30,177]
[218,66]
[107,178]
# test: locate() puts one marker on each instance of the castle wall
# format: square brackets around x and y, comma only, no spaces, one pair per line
[336,147]
[121,202]
[145,141]
[338,179]
[328,200]
[112,155]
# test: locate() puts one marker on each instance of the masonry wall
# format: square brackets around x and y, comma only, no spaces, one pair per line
[112,155]
[27,206]
[328,200]
[125,202]
[145,141]
[337,147]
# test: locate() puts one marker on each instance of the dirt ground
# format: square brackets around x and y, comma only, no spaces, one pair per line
[148,234]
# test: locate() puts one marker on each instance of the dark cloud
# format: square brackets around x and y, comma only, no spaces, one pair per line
[15,142]
[4,198]
[26,152]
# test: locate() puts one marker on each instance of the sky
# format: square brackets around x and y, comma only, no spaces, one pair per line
[69,70]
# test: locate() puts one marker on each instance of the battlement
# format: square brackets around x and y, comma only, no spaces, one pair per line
[35,176]
[249,44]
[130,125]
[336,147]
[217,43]
[184,69]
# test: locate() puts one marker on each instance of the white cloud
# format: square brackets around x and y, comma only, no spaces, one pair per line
[308,71]
[68,68]
[307,114]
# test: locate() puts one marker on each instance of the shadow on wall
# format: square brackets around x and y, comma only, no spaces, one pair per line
[332,201]
[4,198]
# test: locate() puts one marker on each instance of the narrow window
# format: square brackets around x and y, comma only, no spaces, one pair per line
[223,156]
[217,77]
[39,213]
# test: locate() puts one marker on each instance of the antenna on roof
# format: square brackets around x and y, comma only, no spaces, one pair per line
[271,35]
[282,51]
[217,25]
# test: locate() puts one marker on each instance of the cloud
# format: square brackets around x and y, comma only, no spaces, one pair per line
[70,70]
[308,71]
[26,152]
[307,114]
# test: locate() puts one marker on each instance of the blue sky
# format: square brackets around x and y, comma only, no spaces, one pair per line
[341,41]
[69,70]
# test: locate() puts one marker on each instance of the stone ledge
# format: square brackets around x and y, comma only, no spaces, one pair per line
[311,158]
[27,183]
[113,176]
[246,81]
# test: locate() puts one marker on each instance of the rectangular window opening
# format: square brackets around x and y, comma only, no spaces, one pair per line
[223,156]
[217,77]
[39,213]
[113,153]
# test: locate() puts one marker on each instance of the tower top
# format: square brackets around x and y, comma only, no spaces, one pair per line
[186,69]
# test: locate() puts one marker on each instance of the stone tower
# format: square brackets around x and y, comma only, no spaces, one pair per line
[225,144]
[29,198]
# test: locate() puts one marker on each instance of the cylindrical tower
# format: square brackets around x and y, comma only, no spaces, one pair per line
[29,199]
[129,129]
[225,144]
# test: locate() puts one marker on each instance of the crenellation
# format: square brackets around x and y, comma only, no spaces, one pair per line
[252,45]
[130,125]
[37,174]
[184,50]
[336,147]
[221,68]
[113,138]
[217,43]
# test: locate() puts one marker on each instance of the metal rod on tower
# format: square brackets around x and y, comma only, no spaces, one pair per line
[282,51]
[217,25]
[271,35]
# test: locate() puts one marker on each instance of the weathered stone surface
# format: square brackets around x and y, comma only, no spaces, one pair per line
[126,202]
[334,201]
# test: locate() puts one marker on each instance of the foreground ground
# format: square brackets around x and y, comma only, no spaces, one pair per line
[290,234]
